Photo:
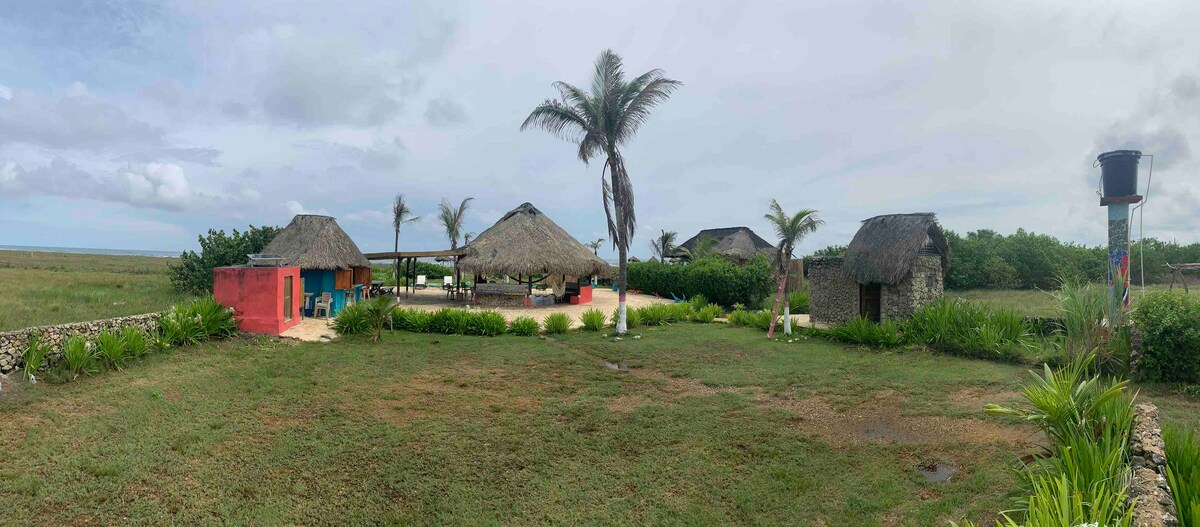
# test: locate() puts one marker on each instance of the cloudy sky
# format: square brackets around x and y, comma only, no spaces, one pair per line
[139,125]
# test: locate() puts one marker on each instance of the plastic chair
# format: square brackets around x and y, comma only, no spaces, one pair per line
[323,304]
[420,282]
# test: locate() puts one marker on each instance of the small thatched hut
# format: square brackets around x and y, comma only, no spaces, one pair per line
[736,243]
[894,265]
[526,243]
[329,260]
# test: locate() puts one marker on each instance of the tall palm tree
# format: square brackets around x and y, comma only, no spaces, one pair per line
[401,215]
[601,121]
[595,245]
[452,217]
[664,244]
[790,229]
[468,237]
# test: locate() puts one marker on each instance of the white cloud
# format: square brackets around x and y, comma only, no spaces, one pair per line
[295,207]
[5,92]
[369,216]
[74,119]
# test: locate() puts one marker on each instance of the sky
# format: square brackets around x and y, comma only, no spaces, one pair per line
[141,125]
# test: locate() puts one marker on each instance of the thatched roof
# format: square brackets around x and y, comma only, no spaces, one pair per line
[886,247]
[525,241]
[739,243]
[316,242]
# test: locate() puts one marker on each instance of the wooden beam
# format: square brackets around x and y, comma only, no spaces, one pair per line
[414,254]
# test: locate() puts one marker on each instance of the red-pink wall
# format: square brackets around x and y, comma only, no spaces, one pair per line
[256,296]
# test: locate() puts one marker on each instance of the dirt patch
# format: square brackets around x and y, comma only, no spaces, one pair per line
[974,399]
[454,394]
[629,403]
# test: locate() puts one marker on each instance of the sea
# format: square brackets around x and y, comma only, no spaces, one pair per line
[90,250]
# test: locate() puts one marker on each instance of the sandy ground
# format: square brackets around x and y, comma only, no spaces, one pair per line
[311,330]
[603,299]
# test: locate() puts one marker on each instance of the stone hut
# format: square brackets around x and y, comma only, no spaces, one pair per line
[894,265]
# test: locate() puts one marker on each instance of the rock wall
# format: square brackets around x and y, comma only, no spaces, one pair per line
[832,294]
[14,343]
[1147,455]
[922,286]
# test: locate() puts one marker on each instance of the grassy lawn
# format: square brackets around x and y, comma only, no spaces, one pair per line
[711,426]
[1041,303]
[53,288]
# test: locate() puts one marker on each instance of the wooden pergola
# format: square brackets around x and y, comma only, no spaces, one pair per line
[410,263]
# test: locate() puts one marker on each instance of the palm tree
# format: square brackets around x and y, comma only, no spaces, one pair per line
[401,214]
[664,244]
[790,230]
[452,219]
[595,245]
[468,237]
[601,121]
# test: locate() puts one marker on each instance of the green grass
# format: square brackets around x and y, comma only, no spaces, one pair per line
[53,288]
[448,429]
[1033,302]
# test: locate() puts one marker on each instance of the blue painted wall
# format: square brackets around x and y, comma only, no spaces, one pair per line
[317,282]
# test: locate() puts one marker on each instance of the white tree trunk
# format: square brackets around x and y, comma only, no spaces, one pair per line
[621,329]
[787,318]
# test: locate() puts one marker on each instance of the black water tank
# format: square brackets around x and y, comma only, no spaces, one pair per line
[1119,170]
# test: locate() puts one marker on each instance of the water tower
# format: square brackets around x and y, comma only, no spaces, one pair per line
[1119,181]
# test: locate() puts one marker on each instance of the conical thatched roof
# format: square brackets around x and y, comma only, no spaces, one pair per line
[739,243]
[316,242]
[526,242]
[886,247]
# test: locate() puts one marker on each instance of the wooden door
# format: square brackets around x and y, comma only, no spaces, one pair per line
[287,298]
[869,299]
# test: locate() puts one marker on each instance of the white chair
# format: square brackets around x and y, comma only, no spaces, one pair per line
[448,284]
[420,282]
[323,304]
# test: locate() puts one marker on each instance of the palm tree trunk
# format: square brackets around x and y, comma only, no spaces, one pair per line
[623,268]
[396,249]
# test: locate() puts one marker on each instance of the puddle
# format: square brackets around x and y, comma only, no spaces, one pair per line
[617,366]
[936,472]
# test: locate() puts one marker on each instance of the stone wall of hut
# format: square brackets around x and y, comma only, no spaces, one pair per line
[14,343]
[922,286]
[832,294]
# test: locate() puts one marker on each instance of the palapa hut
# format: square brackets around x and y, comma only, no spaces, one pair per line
[894,265]
[736,243]
[329,260]
[526,244]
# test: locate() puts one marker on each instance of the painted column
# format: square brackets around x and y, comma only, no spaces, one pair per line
[1118,261]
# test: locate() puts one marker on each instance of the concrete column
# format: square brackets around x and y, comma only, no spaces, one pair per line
[1118,261]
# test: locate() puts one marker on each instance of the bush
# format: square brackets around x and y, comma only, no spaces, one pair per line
[716,279]
[178,327]
[524,326]
[215,320]
[708,313]
[592,320]
[194,272]
[486,323]
[964,328]
[866,333]
[760,319]
[633,317]
[110,349]
[35,356]
[556,323]
[1169,324]
[378,313]
[449,321]
[135,342]
[352,320]
[798,301]
[1183,473]
[79,357]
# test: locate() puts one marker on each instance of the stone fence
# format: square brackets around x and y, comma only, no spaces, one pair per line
[1148,456]
[14,343]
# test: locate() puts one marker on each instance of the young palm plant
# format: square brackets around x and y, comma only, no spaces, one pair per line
[452,217]
[401,215]
[663,245]
[790,229]
[595,245]
[600,122]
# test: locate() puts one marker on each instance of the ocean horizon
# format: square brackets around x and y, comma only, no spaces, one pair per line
[91,250]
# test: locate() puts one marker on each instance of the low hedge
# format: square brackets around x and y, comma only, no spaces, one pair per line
[1169,325]
[719,280]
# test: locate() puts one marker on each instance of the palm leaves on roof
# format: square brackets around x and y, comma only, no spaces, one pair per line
[316,242]
[885,249]
[525,241]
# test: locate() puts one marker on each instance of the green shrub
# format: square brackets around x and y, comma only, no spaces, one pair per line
[179,327]
[798,301]
[1169,324]
[633,317]
[449,321]
[194,272]
[716,279]
[352,320]
[79,357]
[708,313]
[680,312]
[1183,473]
[1056,503]
[216,320]
[697,301]
[592,320]
[110,349]
[524,326]
[486,323]
[760,319]
[135,342]
[412,319]
[866,333]
[653,314]
[556,323]
[968,329]
[378,313]
[34,357]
